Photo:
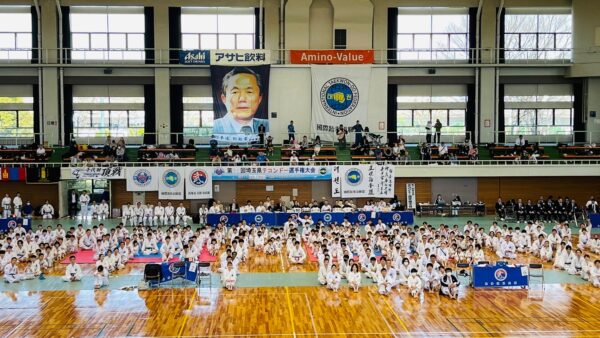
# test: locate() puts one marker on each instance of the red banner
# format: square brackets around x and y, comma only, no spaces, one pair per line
[341,56]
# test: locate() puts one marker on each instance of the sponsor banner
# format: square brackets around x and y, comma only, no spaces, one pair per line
[332,56]
[237,120]
[366,181]
[411,196]
[91,173]
[272,173]
[171,183]
[198,183]
[142,179]
[279,218]
[340,96]
[233,57]
[194,57]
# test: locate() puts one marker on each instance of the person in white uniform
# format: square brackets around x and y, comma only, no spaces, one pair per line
[11,271]
[73,271]
[159,214]
[84,201]
[415,284]
[354,277]
[100,277]
[104,210]
[297,254]
[47,210]
[148,215]
[229,277]
[6,206]
[169,213]
[595,274]
[18,205]
[334,279]
[181,215]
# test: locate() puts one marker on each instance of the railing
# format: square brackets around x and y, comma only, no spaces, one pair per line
[532,136]
[409,163]
[439,56]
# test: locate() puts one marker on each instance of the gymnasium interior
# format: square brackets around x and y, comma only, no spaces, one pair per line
[299,168]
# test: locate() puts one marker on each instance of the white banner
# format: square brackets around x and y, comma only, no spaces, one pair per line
[366,181]
[340,95]
[198,183]
[90,173]
[233,57]
[411,196]
[336,182]
[171,183]
[142,179]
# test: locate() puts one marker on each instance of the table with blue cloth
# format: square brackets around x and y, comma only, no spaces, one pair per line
[166,274]
[595,220]
[499,276]
[279,218]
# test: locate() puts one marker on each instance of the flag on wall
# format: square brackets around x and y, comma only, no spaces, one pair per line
[340,95]
[369,180]
[142,179]
[13,174]
[171,183]
[198,183]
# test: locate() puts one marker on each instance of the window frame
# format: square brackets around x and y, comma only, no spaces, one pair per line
[109,129]
[17,127]
[446,123]
[217,35]
[201,130]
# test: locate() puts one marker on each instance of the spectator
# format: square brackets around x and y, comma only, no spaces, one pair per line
[214,144]
[261,134]
[341,136]
[294,159]
[270,145]
[443,151]
[438,131]
[291,132]
[120,153]
[358,129]
[262,159]
[190,144]
[428,132]
[317,145]
[40,153]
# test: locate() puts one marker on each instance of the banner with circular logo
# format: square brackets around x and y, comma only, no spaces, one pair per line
[198,183]
[142,179]
[340,97]
[171,183]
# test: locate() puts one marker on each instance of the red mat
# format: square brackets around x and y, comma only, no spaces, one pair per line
[205,257]
[81,257]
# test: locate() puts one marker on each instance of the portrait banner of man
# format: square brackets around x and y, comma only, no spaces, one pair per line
[240,102]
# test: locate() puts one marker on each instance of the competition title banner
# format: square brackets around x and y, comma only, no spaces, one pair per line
[345,57]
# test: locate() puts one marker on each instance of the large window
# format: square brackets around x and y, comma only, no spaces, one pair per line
[116,123]
[107,33]
[217,28]
[433,34]
[198,112]
[419,104]
[103,110]
[16,111]
[537,36]
[538,109]
[15,33]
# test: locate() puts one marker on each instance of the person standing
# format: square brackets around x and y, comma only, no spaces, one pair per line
[428,132]
[73,201]
[438,131]
[261,134]
[358,130]
[291,132]
[341,136]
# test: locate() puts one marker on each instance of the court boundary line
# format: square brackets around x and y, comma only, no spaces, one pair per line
[186,315]
[381,314]
[387,302]
[312,318]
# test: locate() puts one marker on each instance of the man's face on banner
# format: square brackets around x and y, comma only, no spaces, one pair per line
[242,96]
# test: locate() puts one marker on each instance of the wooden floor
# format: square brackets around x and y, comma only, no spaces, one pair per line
[298,312]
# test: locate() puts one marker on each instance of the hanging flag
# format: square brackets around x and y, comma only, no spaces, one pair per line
[170,184]
[142,179]
[198,183]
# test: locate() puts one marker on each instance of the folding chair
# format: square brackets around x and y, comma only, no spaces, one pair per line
[204,274]
[152,272]
[465,271]
[177,270]
[535,275]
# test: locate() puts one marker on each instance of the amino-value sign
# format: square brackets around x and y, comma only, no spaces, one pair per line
[355,56]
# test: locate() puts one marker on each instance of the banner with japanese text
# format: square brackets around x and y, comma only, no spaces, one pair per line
[171,183]
[242,57]
[272,173]
[198,183]
[370,180]
[89,173]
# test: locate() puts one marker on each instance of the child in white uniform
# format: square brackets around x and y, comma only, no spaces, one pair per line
[100,277]
[334,279]
[415,285]
[354,277]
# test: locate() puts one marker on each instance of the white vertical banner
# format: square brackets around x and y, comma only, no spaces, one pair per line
[366,181]
[171,182]
[198,183]
[142,179]
[336,182]
[411,196]
[340,95]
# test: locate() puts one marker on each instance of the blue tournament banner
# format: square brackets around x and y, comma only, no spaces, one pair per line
[499,276]
[279,218]
[272,173]
[8,223]
[595,220]
[194,57]
[166,272]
